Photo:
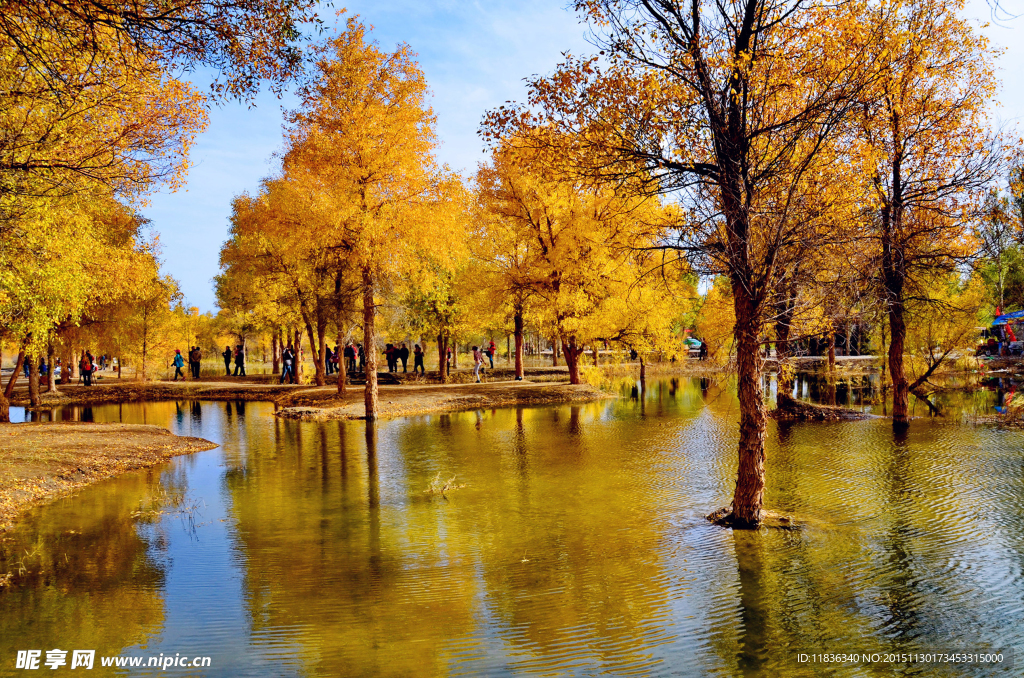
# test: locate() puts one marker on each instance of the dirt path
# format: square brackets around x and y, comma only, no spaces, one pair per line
[41,462]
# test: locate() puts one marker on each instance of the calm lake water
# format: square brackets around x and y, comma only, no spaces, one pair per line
[577,545]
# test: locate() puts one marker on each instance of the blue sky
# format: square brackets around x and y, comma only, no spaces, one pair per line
[475,56]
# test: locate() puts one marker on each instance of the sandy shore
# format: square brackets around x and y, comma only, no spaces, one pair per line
[42,462]
[399,401]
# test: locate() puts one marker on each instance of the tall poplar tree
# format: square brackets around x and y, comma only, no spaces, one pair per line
[929,155]
[361,145]
[726,106]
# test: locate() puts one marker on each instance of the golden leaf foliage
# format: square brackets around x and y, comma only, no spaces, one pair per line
[243,41]
[122,123]
[361,206]
[578,253]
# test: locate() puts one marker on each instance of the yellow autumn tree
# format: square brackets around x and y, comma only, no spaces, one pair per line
[566,247]
[730,108]
[360,147]
[927,152]
[269,242]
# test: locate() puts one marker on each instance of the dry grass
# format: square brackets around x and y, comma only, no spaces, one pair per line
[41,462]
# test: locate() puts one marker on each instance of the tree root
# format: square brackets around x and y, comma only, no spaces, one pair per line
[723,517]
[790,409]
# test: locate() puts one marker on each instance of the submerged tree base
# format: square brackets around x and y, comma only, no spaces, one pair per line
[724,517]
[790,409]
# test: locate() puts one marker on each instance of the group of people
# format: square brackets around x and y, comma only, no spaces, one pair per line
[239,356]
[87,366]
[478,358]
[400,353]
[195,360]
[352,354]
[394,354]
[355,358]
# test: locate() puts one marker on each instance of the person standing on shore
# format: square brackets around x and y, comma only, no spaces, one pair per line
[403,355]
[288,358]
[491,348]
[85,370]
[239,361]
[196,360]
[179,362]
[350,358]
[478,362]
[417,357]
[227,360]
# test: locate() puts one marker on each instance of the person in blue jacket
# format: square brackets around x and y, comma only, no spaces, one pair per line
[179,362]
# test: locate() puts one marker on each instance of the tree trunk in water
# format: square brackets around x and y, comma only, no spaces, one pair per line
[51,380]
[749,496]
[370,346]
[274,355]
[900,387]
[643,373]
[831,352]
[518,332]
[33,380]
[894,278]
[572,359]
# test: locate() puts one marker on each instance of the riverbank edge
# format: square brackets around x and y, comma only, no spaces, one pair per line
[398,401]
[306,402]
[41,463]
